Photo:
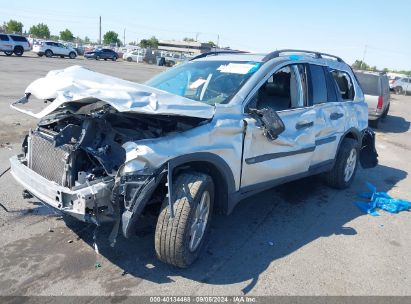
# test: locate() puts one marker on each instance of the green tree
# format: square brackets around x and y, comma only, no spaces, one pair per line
[13,26]
[86,39]
[40,31]
[149,43]
[111,37]
[186,39]
[54,37]
[212,44]
[360,65]
[66,35]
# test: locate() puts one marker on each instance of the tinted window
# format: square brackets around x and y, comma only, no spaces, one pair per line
[49,43]
[344,84]
[4,38]
[318,84]
[18,38]
[369,83]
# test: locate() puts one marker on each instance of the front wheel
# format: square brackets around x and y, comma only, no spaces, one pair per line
[97,57]
[114,58]
[48,53]
[345,166]
[179,240]
[72,55]
[398,90]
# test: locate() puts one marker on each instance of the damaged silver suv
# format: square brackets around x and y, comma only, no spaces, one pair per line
[194,140]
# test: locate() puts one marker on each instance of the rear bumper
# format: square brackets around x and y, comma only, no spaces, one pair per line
[81,202]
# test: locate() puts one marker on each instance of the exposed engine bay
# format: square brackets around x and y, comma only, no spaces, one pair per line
[82,142]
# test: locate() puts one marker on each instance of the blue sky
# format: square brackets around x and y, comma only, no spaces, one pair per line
[341,27]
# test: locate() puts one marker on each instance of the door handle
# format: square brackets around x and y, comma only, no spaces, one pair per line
[335,116]
[302,125]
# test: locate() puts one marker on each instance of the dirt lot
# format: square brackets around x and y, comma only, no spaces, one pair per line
[321,243]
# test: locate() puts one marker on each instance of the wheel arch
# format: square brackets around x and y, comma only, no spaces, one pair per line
[214,166]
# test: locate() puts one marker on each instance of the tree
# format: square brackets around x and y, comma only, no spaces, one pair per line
[212,44]
[360,65]
[86,39]
[66,35]
[186,39]
[149,43]
[40,31]
[13,26]
[111,37]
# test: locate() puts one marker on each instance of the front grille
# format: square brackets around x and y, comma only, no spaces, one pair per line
[47,160]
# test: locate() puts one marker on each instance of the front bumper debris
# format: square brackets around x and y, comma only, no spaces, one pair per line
[85,202]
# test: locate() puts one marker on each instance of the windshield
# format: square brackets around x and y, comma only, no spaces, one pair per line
[369,84]
[210,82]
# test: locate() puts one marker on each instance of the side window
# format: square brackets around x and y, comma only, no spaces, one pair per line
[283,90]
[318,84]
[4,38]
[344,84]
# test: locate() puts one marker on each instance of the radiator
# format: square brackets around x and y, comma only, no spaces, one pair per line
[47,160]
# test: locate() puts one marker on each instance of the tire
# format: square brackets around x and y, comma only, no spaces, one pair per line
[339,176]
[62,56]
[384,115]
[174,244]
[97,57]
[105,59]
[8,53]
[129,59]
[398,90]
[18,51]
[40,55]
[374,123]
[48,53]
[114,58]
[72,55]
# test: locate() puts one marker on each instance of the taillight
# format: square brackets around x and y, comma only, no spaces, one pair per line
[379,105]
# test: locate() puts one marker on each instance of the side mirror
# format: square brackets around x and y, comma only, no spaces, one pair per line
[271,123]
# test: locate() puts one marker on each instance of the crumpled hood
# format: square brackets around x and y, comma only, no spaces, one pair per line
[78,84]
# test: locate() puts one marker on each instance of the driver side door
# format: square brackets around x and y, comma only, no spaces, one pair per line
[268,161]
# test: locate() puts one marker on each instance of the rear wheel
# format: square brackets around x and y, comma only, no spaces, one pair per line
[48,53]
[97,57]
[8,53]
[385,112]
[40,55]
[179,240]
[129,59]
[345,167]
[18,51]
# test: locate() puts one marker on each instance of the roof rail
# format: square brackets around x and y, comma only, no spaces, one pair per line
[316,54]
[215,53]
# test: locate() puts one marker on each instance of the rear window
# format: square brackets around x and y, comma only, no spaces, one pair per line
[4,38]
[18,38]
[369,83]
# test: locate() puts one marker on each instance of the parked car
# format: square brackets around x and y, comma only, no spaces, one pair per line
[16,44]
[376,90]
[134,56]
[194,140]
[392,80]
[51,49]
[402,85]
[101,54]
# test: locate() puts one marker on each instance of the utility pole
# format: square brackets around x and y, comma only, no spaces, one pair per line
[124,37]
[363,56]
[99,39]
[218,40]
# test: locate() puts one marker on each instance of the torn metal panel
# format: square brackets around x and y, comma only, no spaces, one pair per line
[77,84]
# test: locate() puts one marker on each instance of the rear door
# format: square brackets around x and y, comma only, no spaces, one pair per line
[289,155]
[331,92]
[5,43]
